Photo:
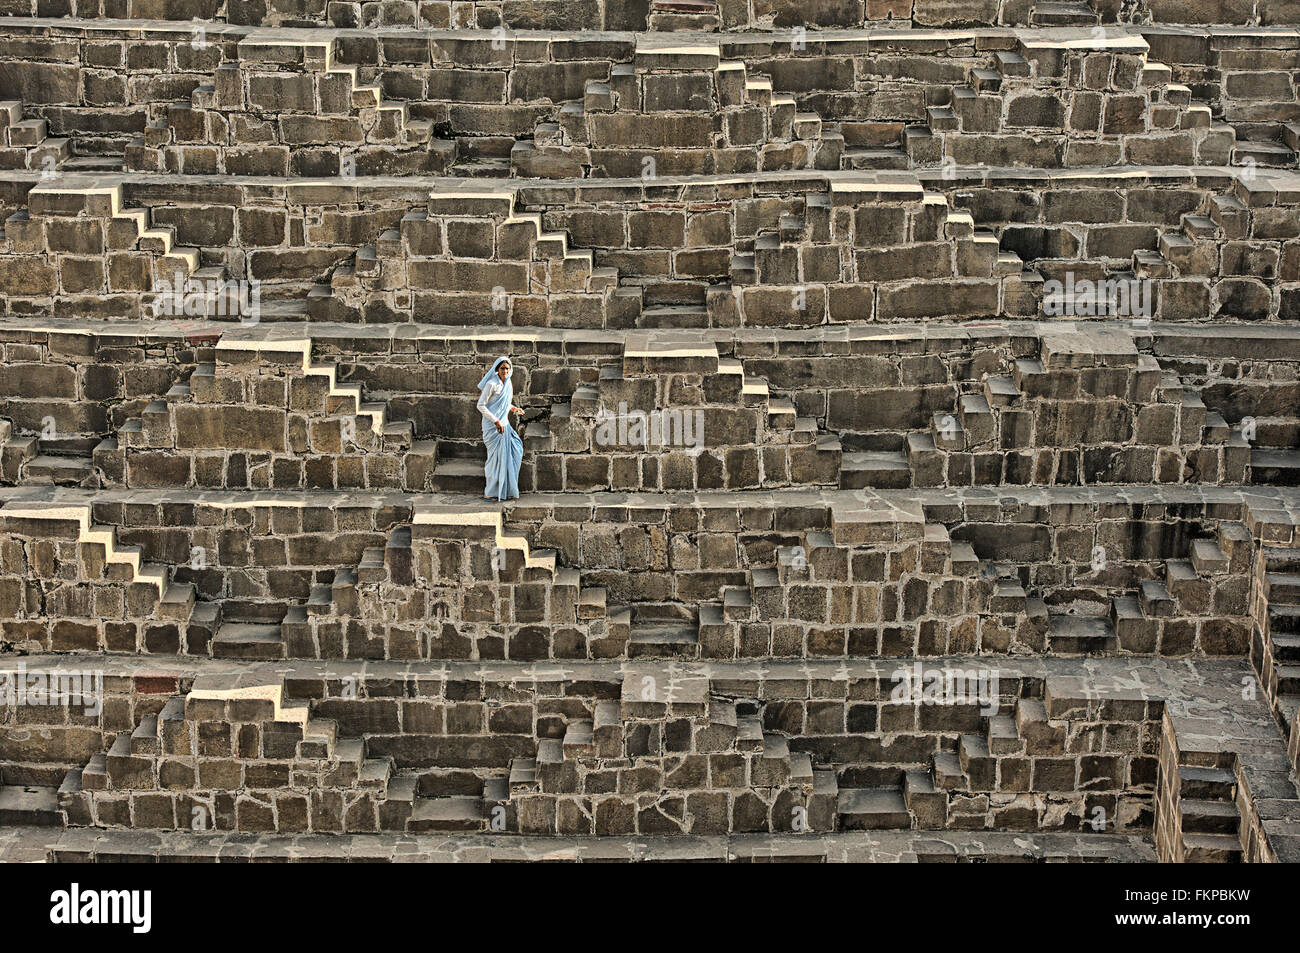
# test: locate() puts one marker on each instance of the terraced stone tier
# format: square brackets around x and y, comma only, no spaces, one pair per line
[489,103]
[960,767]
[295,406]
[909,407]
[761,249]
[740,575]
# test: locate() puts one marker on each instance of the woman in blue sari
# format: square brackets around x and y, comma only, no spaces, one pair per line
[505,450]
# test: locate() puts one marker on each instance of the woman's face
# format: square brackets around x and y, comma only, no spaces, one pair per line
[503,370]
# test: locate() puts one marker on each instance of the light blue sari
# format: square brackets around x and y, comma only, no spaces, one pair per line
[505,451]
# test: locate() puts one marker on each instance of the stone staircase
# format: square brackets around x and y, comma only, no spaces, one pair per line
[1279,661]
[315,118]
[56,461]
[263,413]
[676,415]
[1124,109]
[442,805]
[1210,821]
[232,752]
[474,253]
[1199,799]
[656,116]
[1195,607]
[147,590]
[685,759]
[42,255]
[793,275]
[26,143]
[1022,428]
[324,626]
[697,16]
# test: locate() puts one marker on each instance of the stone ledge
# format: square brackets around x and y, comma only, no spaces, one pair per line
[1188,685]
[1243,341]
[851,847]
[1274,499]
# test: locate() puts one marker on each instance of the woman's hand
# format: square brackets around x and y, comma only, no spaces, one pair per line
[501,427]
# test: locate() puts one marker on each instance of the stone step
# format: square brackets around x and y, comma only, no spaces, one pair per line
[738,603]
[881,158]
[592,602]
[1284,621]
[1081,635]
[1211,848]
[962,559]
[1003,736]
[1041,737]
[1206,784]
[459,475]
[977,762]
[579,740]
[1285,645]
[481,167]
[144,737]
[59,471]
[177,599]
[1077,13]
[801,769]
[946,772]
[941,118]
[247,640]
[1284,560]
[927,804]
[1207,557]
[1154,598]
[374,772]
[663,638]
[550,751]
[319,736]
[1010,63]
[882,470]
[749,733]
[1000,391]
[464,813]
[1275,466]
[674,316]
[29,806]
[1209,817]
[1008,596]
[371,569]
[1029,375]
[872,809]
[1282,588]
[1266,153]
[523,774]
[1150,264]
[1286,679]
[946,431]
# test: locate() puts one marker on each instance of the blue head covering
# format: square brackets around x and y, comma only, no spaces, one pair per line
[492,372]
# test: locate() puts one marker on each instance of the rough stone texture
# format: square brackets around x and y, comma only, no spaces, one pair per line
[910,418]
